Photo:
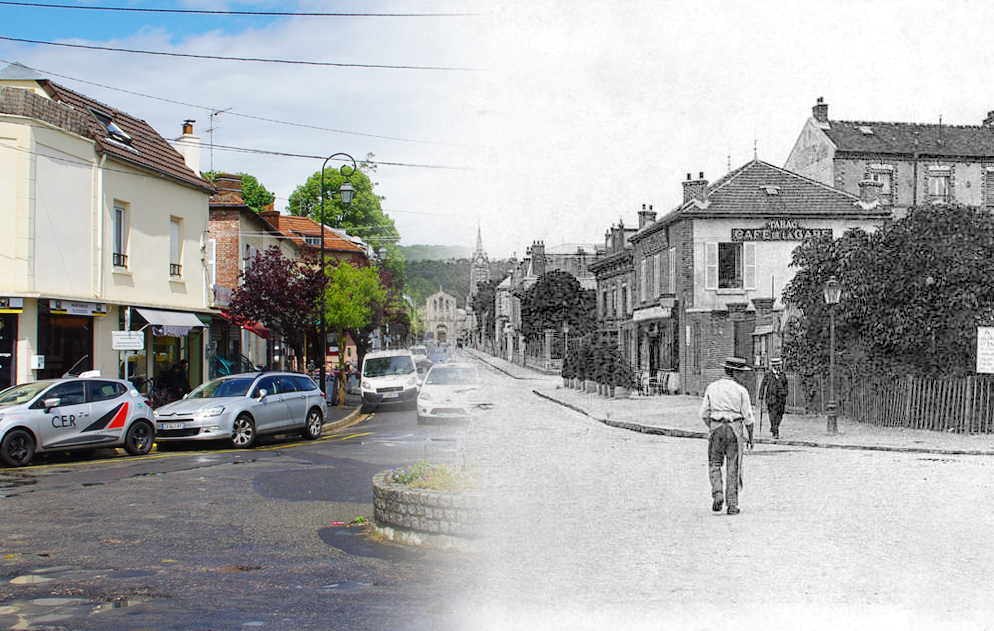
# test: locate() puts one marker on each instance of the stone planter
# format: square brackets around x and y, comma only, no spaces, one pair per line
[438,519]
[621,392]
[591,386]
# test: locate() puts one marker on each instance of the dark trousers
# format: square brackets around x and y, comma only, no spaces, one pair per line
[723,449]
[776,415]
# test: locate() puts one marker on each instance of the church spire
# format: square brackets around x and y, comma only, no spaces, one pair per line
[479,238]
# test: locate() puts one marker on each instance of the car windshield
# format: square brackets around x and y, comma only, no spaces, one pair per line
[451,376]
[382,366]
[222,388]
[15,395]
[419,350]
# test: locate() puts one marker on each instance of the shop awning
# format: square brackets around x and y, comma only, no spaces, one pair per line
[170,323]
[764,329]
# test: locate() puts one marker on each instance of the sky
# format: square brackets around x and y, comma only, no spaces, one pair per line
[528,119]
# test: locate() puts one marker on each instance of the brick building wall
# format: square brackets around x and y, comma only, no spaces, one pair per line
[224,227]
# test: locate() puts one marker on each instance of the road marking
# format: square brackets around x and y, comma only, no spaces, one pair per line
[348,436]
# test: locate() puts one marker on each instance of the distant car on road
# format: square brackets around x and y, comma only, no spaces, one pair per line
[452,392]
[388,378]
[73,414]
[240,408]
[438,354]
[420,356]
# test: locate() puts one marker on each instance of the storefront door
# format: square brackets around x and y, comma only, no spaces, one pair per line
[8,344]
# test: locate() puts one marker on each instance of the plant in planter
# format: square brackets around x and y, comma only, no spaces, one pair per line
[569,368]
[623,378]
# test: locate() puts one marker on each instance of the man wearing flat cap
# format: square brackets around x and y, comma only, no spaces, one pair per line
[773,392]
[727,412]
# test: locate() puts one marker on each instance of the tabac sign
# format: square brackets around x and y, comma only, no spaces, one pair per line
[780,230]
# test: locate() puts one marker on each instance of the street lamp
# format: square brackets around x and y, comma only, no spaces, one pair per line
[832,292]
[346,192]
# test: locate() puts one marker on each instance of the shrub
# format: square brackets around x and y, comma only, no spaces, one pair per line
[424,475]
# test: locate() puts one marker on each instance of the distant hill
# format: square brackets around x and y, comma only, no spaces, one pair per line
[415,253]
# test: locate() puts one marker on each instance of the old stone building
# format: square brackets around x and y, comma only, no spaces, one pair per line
[708,275]
[902,164]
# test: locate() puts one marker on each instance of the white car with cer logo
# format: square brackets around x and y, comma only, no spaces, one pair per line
[73,414]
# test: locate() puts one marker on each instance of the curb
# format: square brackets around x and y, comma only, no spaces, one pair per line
[350,419]
[683,433]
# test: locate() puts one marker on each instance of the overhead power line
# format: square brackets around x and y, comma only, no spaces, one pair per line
[233,113]
[220,58]
[253,13]
[304,155]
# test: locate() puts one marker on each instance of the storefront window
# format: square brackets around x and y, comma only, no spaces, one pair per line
[66,342]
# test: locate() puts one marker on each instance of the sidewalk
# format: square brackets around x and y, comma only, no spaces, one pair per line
[677,415]
[340,417]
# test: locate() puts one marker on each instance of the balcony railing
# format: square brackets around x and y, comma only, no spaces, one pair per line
[175,269]
[120,260]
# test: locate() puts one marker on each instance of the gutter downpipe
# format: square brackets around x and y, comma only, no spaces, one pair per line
[914,189]
[100,227]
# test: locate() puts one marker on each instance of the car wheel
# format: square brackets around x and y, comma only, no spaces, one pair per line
[17,448]
[138,440]
[243,432]
[315,421]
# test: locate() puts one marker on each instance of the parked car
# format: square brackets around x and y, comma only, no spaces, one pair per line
[420,355]
[240,408]
[388,378]
[73,414]
[452,391]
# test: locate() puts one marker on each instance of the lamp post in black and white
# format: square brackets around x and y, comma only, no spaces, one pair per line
[832,292]
[346,192]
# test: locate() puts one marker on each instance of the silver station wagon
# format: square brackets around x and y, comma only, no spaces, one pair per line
[73,414]
[240,408]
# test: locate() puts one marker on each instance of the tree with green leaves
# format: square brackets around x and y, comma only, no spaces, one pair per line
[254,194]
[350,296]
[281,294]
[364,217]
[554,300]
[913,294]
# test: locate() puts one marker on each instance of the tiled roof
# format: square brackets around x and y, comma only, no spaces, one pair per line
[762,190]
[147,149]
[294,227]
[909,138]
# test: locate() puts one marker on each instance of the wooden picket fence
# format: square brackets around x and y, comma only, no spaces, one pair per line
[963,405]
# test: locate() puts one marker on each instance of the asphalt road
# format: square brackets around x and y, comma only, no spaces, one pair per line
[223,539]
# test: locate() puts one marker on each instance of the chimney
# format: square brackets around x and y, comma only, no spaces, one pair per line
[227,182]
[989,121]
[869,190]
[695,189]
[188,146]
[272,216]
[820,110]
[537,252]
[646,217]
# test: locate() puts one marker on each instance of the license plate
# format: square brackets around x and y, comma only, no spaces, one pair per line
[390,395]
[172,426]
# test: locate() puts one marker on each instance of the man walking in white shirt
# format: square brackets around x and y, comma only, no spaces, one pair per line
[726,410]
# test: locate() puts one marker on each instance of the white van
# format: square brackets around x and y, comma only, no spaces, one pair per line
[388,378]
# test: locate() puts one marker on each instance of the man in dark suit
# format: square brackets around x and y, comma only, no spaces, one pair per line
[773,392]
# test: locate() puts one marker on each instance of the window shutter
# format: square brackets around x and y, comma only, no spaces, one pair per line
[710,266]
[211,262]
[671,273]
[749,263]
[658,274]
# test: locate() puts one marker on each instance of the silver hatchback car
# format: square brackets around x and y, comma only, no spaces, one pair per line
[242,407]
[73,414]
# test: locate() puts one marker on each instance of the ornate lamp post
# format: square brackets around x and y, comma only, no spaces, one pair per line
[346,192]
[832,292]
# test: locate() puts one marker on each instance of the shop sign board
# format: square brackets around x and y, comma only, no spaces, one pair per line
[127,340]
[780,230]
[985,349]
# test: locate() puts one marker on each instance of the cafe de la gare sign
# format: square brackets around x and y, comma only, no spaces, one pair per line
[780,230]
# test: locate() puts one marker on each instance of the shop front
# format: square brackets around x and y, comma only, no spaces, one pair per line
[9,310]
[170,336]
[65,337]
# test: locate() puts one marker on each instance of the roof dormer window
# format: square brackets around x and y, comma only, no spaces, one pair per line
[770,190]
[866,130]
[113,131]
[315,241]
